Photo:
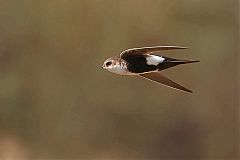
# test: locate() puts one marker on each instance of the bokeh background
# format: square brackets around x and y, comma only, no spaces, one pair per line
[56,102]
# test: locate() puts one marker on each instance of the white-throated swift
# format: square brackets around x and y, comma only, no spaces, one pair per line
[146,63]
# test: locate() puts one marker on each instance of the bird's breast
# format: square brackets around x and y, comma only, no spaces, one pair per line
[121,70]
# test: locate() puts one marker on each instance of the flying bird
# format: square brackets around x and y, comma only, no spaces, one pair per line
[144,62]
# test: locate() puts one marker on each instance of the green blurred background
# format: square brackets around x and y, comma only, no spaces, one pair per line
[57,102]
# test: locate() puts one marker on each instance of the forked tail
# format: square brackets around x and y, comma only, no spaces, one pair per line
[173,62]
[184,61]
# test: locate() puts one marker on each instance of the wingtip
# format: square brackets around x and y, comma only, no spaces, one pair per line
[195,61]
[177,47]
[185,90]
[160,79]
[183,47]
[189,91]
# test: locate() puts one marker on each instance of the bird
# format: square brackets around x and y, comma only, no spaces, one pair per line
[146,63]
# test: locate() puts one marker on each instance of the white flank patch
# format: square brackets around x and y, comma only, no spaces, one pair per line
[154,60]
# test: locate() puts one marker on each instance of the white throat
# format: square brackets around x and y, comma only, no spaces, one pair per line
[119,68]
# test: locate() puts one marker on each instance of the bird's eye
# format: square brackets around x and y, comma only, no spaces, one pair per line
[108,63]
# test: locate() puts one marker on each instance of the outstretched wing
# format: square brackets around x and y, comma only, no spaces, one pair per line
[159,78]
[147,50]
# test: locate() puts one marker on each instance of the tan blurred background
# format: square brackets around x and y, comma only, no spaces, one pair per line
[57,102]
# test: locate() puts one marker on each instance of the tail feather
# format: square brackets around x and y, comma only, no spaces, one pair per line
[184,61]
[171,63]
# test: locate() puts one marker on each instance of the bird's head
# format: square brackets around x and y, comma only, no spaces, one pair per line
[109,63]
[115,65]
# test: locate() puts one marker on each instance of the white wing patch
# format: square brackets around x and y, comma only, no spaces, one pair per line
[154,60]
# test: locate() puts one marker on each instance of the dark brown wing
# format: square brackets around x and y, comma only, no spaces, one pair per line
[159,78]
[147,50]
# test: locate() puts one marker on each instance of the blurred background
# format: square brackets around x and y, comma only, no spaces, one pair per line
[56,102]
